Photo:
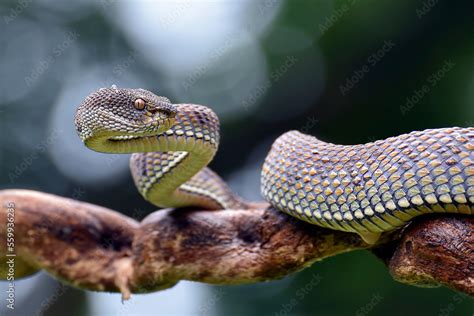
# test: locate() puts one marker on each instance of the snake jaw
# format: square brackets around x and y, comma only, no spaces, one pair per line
[125,139]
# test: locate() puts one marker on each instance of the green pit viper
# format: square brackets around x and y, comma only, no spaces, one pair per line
[365,189]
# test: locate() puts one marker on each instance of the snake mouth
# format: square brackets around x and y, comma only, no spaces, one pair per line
[129,136]
[123,137]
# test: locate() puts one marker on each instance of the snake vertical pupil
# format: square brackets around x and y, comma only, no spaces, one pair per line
[139,104]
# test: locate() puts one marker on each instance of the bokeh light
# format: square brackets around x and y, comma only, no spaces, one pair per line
[266,67]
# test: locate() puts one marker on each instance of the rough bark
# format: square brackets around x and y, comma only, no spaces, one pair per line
[95,248]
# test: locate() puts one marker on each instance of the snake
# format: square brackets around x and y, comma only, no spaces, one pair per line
[367,189]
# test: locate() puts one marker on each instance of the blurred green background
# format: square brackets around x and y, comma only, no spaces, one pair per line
[345,71]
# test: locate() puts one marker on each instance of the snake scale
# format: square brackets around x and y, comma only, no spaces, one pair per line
[365,189]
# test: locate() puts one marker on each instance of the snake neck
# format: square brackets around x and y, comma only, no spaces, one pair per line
[169,169]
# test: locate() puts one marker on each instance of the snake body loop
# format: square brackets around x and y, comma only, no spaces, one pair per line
[365,189]
[174,174]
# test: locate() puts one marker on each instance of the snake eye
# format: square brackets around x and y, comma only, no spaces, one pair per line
[139,104]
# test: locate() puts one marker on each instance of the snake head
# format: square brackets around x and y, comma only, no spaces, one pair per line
[113,120]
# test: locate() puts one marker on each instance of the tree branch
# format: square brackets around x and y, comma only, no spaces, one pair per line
[95,248]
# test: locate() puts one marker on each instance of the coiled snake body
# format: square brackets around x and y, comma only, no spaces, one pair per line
[366,189]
